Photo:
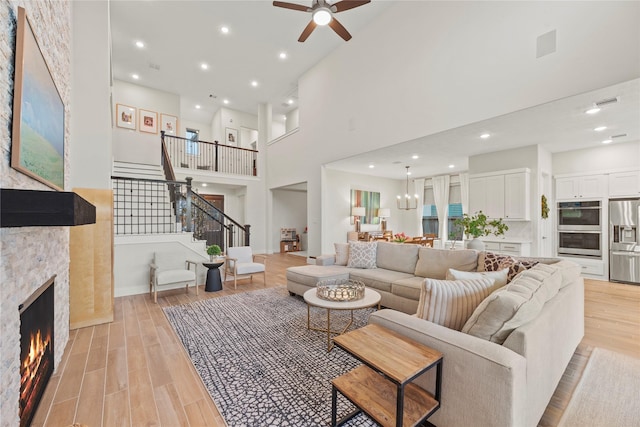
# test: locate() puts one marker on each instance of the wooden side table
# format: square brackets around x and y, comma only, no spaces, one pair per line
[390,399]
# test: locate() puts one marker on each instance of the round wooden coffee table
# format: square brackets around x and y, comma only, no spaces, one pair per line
[371,298]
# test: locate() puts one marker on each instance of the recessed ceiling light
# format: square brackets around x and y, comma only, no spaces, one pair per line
[485,136]
[372,166]
[600,128]
[290,102]
[452,166]
[135,76]
[254,83]
[283,55]
[197,107]
[224,29]
[592,110]
[415,156]
[204,184]
[284,118]
[140,44]
[225,101]
[607,141]
[408,172]
[204,66]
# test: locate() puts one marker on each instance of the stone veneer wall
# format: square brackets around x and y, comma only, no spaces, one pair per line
[31,255]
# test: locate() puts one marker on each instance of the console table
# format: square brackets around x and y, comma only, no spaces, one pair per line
[390,399]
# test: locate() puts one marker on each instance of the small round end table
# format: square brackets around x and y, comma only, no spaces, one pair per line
[214,283]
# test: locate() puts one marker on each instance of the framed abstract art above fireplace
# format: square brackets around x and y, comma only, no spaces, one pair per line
[37,147]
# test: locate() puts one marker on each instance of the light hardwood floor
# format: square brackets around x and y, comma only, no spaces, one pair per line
[134,372]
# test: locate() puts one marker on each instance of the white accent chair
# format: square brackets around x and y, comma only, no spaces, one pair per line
[242,262]
[169,269]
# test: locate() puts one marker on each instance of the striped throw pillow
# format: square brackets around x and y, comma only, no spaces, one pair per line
[451,303]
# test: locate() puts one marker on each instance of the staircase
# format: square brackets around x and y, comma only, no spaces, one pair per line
[142,204]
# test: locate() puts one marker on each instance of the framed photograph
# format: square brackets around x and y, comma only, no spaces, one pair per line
[169,124]
[147,121]
[125,117]
[37,147]
[231,136]
[370,200]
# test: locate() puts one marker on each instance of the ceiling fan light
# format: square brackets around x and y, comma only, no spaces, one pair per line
[322,16]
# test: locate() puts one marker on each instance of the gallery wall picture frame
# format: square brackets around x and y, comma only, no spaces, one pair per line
[231,136]
[38,145]
[370,200]
[147,121]
[126,116]
[169,124]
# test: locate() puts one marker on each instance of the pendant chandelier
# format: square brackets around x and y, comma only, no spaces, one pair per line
[407,202]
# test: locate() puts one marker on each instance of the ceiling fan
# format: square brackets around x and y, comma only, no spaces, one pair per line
[322,14]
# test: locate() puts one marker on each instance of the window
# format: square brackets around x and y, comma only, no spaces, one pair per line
[454,212]
[430,222]
[192,147]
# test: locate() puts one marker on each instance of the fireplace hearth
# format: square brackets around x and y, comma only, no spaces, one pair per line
[36,348]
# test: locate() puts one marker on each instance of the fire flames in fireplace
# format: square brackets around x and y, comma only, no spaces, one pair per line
[34,365]
[36,349]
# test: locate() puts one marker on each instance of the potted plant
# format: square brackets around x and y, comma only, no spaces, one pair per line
[214,252]
[478,225]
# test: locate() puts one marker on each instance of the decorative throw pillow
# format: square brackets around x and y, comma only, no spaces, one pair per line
[450,303]
[507,309]
[500,276]
[362,255]
[489,261]
[342,253]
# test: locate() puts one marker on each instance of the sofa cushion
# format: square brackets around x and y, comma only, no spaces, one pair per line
[500,276]
[450,303]
[310,275]
[434,263]
[379,278]
[569,270]
[549,275]
[362,255]
[408,288]
[507,309]
[342,253]
[398,257]
[489,261]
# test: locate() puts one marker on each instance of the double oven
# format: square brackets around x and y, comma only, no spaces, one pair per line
[580,229]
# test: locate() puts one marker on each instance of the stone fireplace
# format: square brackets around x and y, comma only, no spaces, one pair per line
[36,348]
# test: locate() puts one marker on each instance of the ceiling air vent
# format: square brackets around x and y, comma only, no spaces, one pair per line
[621,135]
[607,102]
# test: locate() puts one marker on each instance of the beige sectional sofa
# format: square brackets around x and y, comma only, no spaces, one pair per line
[503,378]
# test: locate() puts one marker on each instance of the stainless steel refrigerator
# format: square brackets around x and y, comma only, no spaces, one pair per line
[624,248]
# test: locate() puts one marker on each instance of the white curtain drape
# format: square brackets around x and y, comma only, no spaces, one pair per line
[419,187]
[441,196]
[464,192]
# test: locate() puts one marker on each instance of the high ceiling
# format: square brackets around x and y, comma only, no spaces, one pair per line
[181,35]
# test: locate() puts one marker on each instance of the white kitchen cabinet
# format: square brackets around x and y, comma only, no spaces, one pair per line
[509,248]
[624,184]
[581,187]
[516,196]
[501,195]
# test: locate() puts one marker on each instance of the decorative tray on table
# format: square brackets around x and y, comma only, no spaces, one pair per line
[340,290]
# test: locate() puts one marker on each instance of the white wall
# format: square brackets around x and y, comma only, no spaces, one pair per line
[234,119]
[204,128]
[135,146]
[91,127]
[293,120]
[601,158]
[446,64]
[289,211]
[336,220]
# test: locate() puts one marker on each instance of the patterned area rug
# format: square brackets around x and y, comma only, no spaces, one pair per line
[259,362]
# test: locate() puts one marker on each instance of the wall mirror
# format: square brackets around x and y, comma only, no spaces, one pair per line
[370,200]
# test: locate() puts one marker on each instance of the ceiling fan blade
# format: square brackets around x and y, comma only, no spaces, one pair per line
[339,29]
[307,31]
[292,6]
[349,4]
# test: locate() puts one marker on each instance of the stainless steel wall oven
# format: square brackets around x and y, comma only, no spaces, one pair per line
[580,229]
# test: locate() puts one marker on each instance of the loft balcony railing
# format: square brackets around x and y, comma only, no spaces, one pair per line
[210,156]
